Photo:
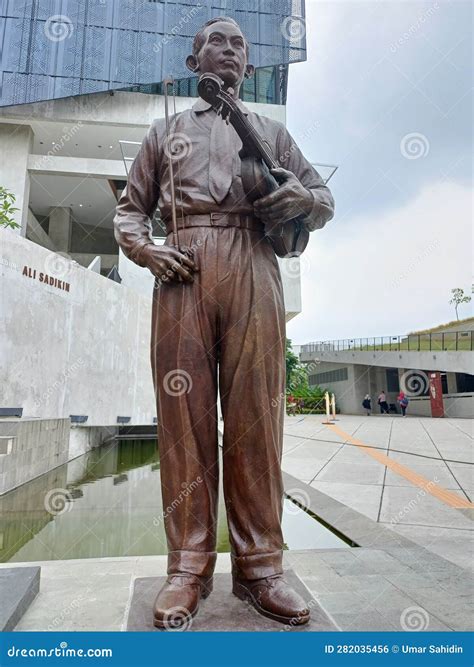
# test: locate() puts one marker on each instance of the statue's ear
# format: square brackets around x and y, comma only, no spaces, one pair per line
[192,63]
[249,71]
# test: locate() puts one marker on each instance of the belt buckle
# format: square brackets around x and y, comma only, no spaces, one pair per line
[216,216]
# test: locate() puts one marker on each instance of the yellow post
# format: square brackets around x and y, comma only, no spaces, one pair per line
[328,408]
[333,405]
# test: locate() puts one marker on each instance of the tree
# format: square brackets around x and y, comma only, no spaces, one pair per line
[309,400]
[7,199]
[458,298]
[292,363]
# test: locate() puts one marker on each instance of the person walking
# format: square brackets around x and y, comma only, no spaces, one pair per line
[367,404]
[382,401]
[403,402]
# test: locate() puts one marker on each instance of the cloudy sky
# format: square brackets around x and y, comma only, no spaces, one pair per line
[385,95]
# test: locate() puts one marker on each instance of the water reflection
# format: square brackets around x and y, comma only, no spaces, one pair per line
[108,503]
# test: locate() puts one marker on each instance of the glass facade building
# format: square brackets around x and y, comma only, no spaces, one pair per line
[60,48]
[268,85]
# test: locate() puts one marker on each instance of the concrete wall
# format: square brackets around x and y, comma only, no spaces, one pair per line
[36,447]
[120,108]
[30,448]
[371,380]
[84,352]
[455,405]
[346,397]
[456,362]
[84,438]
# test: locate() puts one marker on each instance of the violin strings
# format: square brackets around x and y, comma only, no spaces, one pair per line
[250,130]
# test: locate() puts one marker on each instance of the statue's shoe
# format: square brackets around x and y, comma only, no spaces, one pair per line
[274,598]
[178,600]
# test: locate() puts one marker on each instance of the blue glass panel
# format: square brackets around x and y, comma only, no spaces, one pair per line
[57,48]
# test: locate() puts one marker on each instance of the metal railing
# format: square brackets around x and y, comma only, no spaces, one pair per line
[430,342]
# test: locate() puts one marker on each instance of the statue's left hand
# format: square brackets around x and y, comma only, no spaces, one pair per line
[289,201]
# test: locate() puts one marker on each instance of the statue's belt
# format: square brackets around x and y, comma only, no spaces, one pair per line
[218,219]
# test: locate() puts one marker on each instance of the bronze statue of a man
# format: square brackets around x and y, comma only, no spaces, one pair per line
[218,320]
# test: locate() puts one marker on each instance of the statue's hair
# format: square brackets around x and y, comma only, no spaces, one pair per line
[198,42]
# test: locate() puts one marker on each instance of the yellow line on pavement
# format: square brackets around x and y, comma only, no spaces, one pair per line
[447,497]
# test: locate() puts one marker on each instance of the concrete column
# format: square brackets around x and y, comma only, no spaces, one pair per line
[16,143]
[401,372]
[452,384]
[60,227]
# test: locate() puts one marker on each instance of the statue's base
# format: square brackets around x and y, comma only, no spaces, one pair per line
[222,611]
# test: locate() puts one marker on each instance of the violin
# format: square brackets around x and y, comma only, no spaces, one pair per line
[290,238]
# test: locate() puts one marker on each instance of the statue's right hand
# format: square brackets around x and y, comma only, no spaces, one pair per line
[167,263]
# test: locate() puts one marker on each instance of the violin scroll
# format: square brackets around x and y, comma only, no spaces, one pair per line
[209,87]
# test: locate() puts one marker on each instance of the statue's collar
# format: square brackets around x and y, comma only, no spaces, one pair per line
[201,105]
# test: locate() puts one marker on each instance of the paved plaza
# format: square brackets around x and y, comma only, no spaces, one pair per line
[428,498]
[398,489]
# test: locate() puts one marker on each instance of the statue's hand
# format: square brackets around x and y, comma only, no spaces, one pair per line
[289,201]
[169,264]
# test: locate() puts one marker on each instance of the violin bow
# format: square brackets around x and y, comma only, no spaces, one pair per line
[167,82]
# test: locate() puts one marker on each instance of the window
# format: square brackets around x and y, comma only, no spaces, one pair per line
[337,375]
[393,384]
[268,85]
[444,383]
[464,383]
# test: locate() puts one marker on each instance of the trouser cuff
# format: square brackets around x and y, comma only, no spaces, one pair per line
[200,563]
[257,566]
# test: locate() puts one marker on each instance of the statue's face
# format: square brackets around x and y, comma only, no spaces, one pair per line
[224,53]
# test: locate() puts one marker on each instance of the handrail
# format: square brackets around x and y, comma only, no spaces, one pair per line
[445,341]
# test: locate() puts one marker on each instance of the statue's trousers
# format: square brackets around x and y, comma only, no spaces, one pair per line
[225,330]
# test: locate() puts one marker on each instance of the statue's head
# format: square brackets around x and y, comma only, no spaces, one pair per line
[220,48]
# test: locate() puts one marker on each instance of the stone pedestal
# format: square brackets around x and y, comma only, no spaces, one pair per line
[222,611]
[18,588]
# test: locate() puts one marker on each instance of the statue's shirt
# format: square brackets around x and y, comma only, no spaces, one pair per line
[148,183]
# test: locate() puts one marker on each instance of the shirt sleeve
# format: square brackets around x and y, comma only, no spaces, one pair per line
[132,221]
[291,158]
